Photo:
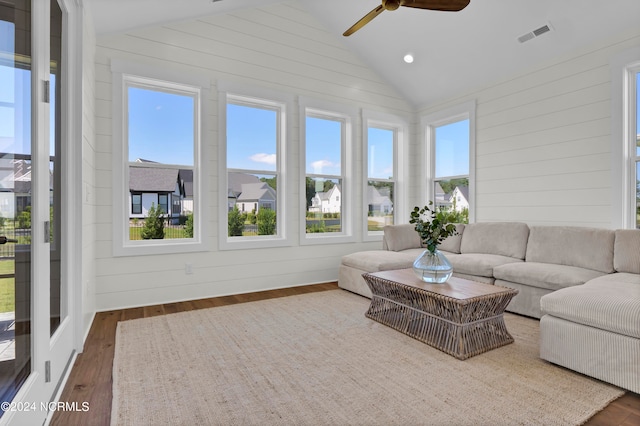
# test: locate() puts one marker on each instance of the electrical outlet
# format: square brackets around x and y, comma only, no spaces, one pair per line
[188,268]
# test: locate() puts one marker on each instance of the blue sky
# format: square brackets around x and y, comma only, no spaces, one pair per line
[251,138]
[380,148]
[161,127]
[323,146]
[452,149]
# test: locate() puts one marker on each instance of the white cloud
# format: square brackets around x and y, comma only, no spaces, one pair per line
[321,164]
[264,158]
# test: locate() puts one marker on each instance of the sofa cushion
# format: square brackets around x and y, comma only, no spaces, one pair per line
[378,260]
[478,263]
[626,252]
[452,244]
[544,275]
[590,248]
[400,237]
[610,302]
[499,238]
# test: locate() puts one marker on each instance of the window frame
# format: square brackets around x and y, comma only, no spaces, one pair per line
[329,110]
[630,140]
[400,127]
[465,111]
[282,102]
[126,74]
[624,68]
[134,204]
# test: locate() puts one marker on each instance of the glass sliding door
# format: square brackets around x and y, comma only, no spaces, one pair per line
[55,168]
[36,331]
[15,196]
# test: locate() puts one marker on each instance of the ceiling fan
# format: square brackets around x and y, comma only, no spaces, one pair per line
[442,5]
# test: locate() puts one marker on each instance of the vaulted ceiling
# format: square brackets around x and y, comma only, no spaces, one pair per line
[454,51]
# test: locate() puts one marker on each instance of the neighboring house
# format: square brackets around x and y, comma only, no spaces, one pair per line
[154,186]
[15,186]
[234,184]
[249,194]
[442,199]
[379,201]
[460,198]
[327,202]
[256,196]
[185,178]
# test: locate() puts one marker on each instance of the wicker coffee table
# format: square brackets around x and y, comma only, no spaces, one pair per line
[460,317]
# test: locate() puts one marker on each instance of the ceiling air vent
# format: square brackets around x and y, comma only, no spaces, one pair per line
[535,33]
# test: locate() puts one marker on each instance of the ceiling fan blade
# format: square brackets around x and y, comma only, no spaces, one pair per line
[364,21]
[442,5]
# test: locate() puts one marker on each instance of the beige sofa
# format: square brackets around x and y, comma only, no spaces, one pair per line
[595,328]
[474,252]
[583,282]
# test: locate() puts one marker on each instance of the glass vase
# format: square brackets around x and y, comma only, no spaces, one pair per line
[433,267]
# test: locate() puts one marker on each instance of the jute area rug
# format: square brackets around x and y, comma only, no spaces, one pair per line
[315,359]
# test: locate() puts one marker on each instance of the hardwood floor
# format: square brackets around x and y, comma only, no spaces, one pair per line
[90,379]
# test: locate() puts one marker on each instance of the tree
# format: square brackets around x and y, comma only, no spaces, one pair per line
[272,182]
[235,223]
[153,228]
[24,218]
[188,226]
[449,185]
[266,222]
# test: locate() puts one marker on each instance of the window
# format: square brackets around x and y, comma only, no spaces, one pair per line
[254,163]
[136,204]
[326,173]
[450,160]
[163,203]
[324,179]
[626,139]
[383,181]
[158,119]
[634,115]
[380,177]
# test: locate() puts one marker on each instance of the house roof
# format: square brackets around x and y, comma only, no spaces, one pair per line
[186,178]
[464,190]
[256,191]
[378,196]
[236,180]
[152,179]
[327,194]
[15,176]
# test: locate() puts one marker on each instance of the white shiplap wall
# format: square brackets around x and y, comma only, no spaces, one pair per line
[544,141]
[278,47]
[89,172]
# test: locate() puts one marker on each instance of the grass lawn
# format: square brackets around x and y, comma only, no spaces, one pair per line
[7,287]
[169,233]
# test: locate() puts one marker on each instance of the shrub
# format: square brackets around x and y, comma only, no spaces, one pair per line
[188,226]
[317,227]
[235,223]
[153,228]
[24,218]
[251,217]
[266,222]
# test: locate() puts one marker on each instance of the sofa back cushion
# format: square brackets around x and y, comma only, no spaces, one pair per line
[501,238]
[626,251]
[400,237]
[589,248]
[452,243]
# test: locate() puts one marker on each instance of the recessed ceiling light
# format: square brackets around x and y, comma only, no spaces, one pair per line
[408,58]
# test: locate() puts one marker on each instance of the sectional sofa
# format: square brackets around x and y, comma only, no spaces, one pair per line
[583,284]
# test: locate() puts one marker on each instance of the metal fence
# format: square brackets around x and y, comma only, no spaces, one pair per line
[171,230]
